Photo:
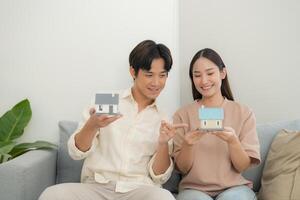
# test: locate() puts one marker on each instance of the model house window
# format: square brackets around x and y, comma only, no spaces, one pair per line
[100,108]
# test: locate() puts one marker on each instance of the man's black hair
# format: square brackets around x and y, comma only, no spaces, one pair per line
[145,52]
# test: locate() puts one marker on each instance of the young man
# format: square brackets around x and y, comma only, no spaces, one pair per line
[126,156]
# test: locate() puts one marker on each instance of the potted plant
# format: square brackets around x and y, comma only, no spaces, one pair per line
[12,125]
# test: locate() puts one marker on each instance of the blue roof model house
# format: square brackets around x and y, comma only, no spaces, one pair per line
[211,119]
[107,103]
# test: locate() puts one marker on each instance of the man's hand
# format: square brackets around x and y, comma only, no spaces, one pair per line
[168,131]
[192,137]
[162,160]
[83,139]
[100,121]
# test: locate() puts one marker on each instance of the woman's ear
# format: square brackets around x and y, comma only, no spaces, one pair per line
[223,73]
[132,72]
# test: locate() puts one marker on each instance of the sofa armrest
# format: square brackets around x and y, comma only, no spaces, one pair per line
[25,177]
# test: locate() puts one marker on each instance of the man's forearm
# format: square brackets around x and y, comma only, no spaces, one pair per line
[162,159]
[84,138]
[185,158]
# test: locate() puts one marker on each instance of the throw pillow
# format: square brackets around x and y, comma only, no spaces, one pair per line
[281,174]
[68,170]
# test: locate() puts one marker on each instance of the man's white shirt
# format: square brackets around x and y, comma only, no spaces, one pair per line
[124,151]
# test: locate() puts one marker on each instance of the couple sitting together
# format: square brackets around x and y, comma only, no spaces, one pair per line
[129,156]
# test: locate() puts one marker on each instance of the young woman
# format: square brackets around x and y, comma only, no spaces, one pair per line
[212,162]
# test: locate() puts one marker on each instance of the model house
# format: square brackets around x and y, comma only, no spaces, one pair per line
[107,103]
[211,119]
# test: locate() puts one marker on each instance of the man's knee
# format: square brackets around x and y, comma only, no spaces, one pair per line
[167,195]
[160,193]
[49,193]
[55,192]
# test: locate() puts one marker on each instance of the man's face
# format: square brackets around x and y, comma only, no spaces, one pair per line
[149,84]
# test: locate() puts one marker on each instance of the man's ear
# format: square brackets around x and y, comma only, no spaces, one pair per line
[132,72]
[223,73]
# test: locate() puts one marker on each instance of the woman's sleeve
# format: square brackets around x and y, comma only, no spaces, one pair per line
[249,139]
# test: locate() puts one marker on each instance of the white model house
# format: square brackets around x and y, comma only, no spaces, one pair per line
[211,119]
[107,103]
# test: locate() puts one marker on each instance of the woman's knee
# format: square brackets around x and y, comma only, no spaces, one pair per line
[237,193]
[190,194]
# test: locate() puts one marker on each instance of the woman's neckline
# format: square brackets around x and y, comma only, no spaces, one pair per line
[199,103]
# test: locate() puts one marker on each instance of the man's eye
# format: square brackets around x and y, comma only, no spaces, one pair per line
[148,75]
[163,75]
[210,74]
[197,76]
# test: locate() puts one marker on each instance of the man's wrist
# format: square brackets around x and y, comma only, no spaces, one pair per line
[161,147]
[162,144]
[90,127]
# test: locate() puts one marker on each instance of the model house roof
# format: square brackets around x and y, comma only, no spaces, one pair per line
[108,98]
[211,113]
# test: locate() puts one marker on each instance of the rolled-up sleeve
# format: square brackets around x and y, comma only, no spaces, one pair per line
[162,178]
[74,152]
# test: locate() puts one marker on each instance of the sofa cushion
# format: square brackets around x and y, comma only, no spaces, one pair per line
[266,133]
[173,182]
[68,170]
[281,174]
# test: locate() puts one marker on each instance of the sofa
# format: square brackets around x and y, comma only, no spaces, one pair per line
[25,177]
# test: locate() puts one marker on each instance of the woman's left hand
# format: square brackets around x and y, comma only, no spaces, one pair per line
[228,135]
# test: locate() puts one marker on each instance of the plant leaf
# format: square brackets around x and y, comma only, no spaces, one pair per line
[4,157]
[24,147]
[13,122]
[6,147]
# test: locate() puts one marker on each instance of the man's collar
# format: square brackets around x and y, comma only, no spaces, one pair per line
[128,94]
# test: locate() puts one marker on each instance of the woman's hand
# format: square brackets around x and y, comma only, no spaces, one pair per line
[228,135]
[239,157]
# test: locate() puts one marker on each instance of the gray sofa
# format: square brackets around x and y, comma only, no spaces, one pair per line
[25,177]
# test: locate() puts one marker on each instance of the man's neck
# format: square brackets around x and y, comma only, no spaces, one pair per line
[140,99]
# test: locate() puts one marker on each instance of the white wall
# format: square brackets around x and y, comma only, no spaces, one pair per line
[57,53]
[259,43]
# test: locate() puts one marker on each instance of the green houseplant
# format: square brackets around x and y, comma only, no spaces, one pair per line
[12,125]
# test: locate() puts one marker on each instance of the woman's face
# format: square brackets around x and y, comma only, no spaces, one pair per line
[207,77]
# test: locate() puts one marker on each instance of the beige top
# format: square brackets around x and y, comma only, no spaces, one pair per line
[212,170]
[124,151]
